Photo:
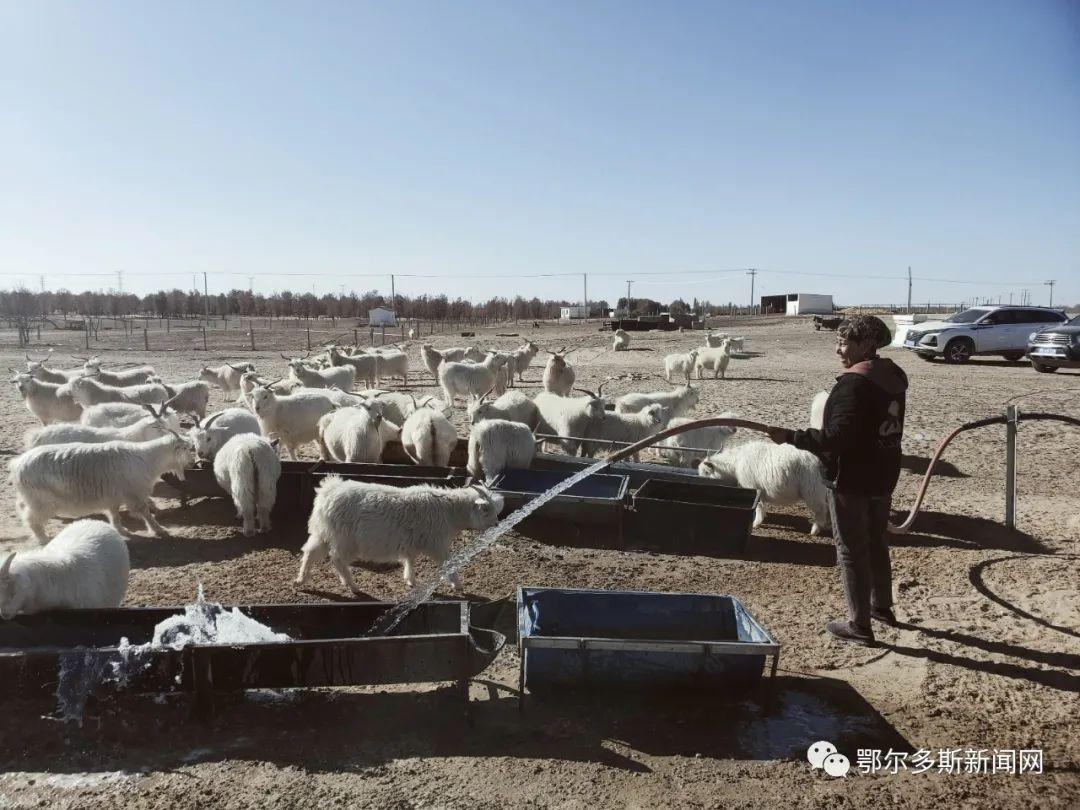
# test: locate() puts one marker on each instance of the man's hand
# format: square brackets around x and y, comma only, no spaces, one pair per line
[781,435]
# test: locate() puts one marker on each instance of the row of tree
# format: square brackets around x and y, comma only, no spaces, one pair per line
[24,303]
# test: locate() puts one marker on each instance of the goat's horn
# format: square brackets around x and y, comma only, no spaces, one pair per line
[275,382]
[210,421]
[5,566]
[588,392]
[283,357]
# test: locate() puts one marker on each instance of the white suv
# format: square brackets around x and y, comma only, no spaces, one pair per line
[1002,330]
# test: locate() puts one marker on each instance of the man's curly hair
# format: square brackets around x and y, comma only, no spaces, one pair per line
[860,328]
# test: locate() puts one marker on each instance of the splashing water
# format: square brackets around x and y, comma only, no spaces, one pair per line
[83,670]
[422,592]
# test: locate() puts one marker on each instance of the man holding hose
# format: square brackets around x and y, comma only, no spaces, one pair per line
[859,446]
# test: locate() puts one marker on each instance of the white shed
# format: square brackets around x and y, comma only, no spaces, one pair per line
[575,312]
[381,316]
[797,304]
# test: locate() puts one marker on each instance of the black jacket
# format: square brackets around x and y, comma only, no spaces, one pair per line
[859,442]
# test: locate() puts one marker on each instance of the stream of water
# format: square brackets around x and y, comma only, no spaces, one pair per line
[423,591]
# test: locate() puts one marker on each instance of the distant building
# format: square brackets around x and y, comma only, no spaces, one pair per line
[381,316]
[797,304]
[573,313]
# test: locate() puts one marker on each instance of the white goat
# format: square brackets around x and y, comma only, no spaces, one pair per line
[248,468]
[559,375]
[123,414]
[428,437]
[75,480]
[715,341]
[497,444]
[210,436]
[782,474]
[352,434]
[85,566]
[621,341]
[680,365]
[392,363]
[457,354]
[432,358]
[187,397]
[226,377]
[577,417]
[342,377]
[249,381]
[680,401]
[630,427]
[88,391]
[715,360]
[117,377]
[512,406]
[39,371]
[49,402]
[293,418]
[365,366]
[525,355]
[353,520]
[151,426]
[709,439]
[467,379]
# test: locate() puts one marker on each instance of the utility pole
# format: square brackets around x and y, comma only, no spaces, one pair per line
[120,281]
[1010,299]
[205,299]
[393,295]
[628,283]
[752,273]
[1051,284]
[909,288]
[585,293]
[251,284]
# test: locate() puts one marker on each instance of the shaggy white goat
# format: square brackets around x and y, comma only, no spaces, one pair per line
[392,363]
[497,444]
[123,414]
[39,371]
[353,520]
[364,365]
[248,468]
[85,566]
[226,377]
[715,341]
[680,401]
[579,417]
[208,437]
[680,365]
[352,434]
[117,377]
[621,341]
[342,377]
[293,418]
[708,439]
[513,406]
[432,358]
[468,380]
[782,474]
[559,375]
[715,360]
[249,381]
[75,480]
[151,426]
[187,397]
[49,402]
[88,391]
[630,427]
[428,437]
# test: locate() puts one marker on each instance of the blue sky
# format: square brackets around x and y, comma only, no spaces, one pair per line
[336,141]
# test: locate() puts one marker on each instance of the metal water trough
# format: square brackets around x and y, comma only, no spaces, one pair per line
[569,638]
[691,517]
[328,648]
[598,500]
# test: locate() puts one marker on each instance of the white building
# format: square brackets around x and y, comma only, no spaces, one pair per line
[797,304]
[381,316]
[575,312]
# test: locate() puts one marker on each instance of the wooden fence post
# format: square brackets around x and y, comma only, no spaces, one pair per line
[252,335]
[145,339]
[309,338]
[86,332]
[355,338]
[205,348]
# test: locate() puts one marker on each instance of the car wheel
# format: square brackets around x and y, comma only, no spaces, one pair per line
[1013,357]
[959,350]
[1045,369]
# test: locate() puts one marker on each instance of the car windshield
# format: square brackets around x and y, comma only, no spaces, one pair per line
[1075,321]
[967,316]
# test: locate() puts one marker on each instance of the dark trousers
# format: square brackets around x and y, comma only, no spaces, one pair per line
[862,552]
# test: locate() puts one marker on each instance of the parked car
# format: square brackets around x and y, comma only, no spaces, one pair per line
[1001,330]
[1055,347]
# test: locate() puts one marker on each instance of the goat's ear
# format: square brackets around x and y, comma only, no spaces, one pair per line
[5,566]
[707,466]
[275,443]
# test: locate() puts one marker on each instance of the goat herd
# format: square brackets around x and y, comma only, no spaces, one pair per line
[109,435]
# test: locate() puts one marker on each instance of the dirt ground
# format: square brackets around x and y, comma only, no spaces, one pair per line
[986,656]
